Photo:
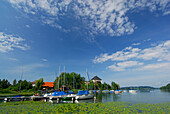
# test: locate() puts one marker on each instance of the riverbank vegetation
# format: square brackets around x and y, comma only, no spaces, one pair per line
[110,107]
[166,88]
[73,81]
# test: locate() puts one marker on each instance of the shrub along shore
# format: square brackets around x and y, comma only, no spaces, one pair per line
[109,107]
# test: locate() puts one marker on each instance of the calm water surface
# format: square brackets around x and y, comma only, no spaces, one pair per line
[155,96]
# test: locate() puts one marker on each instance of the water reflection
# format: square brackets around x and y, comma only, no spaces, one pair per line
[154,96]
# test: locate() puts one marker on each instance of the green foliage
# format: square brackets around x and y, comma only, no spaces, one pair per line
[115,86]
[4,84]
[39,83]
[167,87]
[74,80]
[30,107]
[15,82]
[105,86]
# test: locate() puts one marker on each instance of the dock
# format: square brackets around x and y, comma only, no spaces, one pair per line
[51,99]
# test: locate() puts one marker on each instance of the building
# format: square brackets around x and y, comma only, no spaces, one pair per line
[96,79]
[48,85]
[33,83]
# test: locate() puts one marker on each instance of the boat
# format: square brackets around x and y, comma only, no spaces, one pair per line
[83,95]
[98,91]
[92,91]
[14,98]
[118,91]
[111,91]
[47,95]
[124,90]
[133,91]
[105,91]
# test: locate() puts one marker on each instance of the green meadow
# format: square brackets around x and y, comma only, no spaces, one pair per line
[32,107]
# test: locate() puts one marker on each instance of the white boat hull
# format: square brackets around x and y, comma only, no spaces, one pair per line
[83,97]
[132,91]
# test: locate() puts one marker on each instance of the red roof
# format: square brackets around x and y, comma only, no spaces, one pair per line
[49,84]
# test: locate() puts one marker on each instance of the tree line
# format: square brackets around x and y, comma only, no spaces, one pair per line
[70,80]
[76,81]
[21,85]
[167,87]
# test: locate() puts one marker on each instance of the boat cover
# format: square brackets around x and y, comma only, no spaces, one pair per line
[59,93]
[83,92]
[70,92]
[16,96]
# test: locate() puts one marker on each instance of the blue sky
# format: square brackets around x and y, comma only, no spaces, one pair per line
[126,41]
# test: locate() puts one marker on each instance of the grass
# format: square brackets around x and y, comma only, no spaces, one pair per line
[29,107]
[9,93]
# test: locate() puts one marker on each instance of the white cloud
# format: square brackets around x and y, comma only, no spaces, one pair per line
[121,66]
[135,44]
[27,26]
[44,60]
[159,53]
[100,16]
[13,59]
[9,42]
[156,66]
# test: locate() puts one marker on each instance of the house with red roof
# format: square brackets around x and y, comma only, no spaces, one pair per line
[48,85]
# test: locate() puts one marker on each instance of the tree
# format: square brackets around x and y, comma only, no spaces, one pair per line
[39,83]
[14,82]
[167,87]
[4,84]
[72,80]
[115,86]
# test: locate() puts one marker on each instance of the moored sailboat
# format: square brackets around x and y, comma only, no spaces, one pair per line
[83,95]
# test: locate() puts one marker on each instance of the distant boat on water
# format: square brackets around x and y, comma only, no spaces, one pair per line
[118,91]
[133,91]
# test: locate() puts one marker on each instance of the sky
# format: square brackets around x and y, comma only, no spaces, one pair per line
[125,41]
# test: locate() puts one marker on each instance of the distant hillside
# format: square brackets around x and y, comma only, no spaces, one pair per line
[139,88]
[167,87]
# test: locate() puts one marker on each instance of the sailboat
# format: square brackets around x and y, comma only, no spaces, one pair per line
[83,95]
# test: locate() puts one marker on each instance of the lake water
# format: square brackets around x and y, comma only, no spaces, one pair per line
[155,96]
[152,97]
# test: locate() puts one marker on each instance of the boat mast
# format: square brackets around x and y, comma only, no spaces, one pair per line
[64,77]
[56,79]
[73,80]
[87,79]
[21,80]
[59,77]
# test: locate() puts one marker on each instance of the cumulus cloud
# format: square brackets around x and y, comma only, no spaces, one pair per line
[122,65]
[159,53]
[155,66]
[9,42]
[100,16]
